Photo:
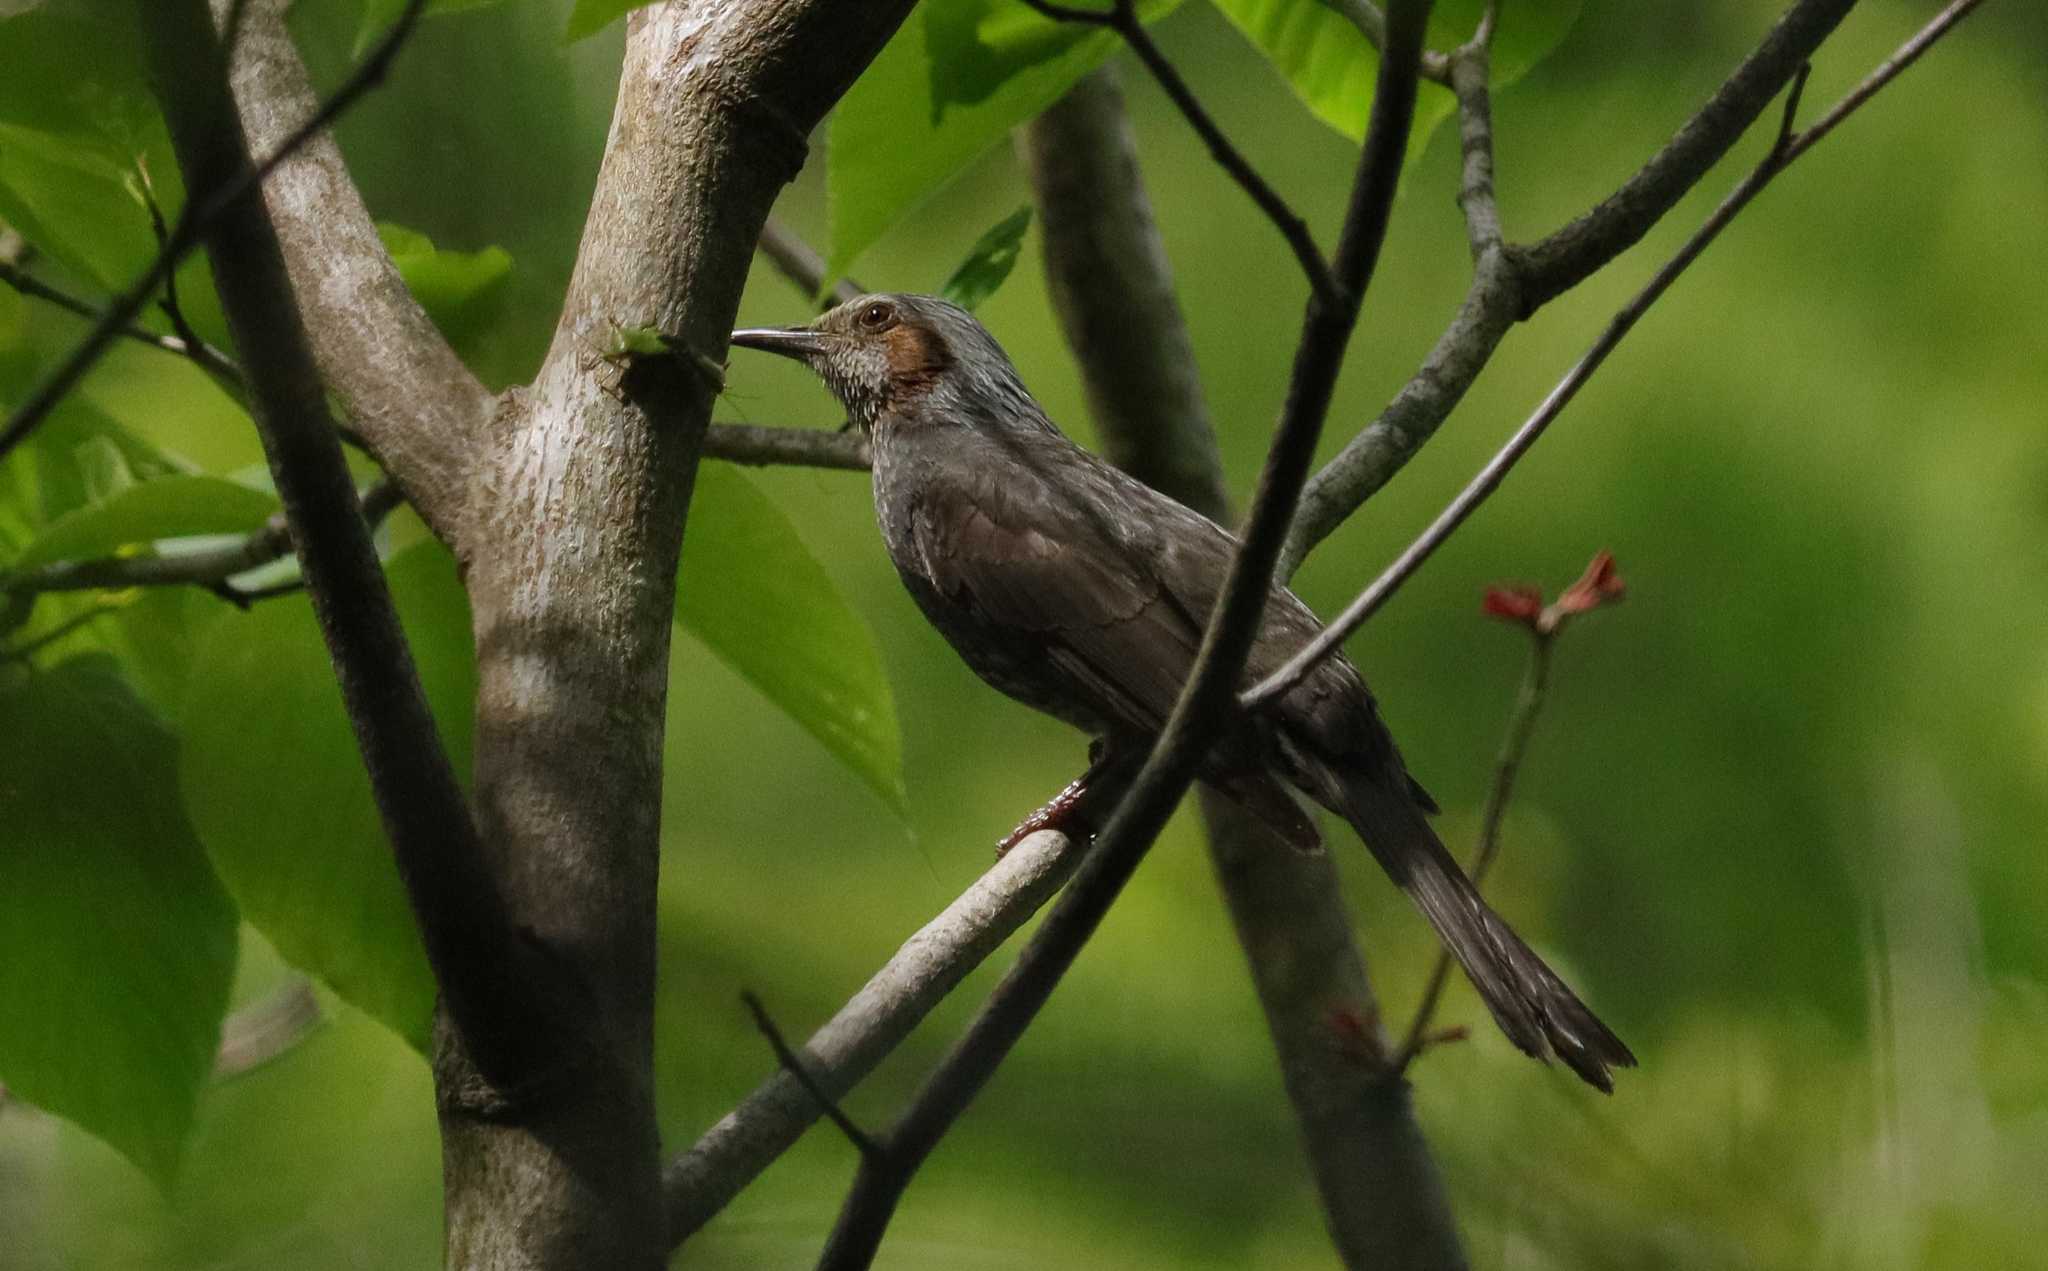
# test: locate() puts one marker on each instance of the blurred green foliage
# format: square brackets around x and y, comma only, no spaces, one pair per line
[1782,821]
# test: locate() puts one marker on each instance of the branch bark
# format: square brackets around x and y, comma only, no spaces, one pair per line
[732,1153]
[574,540]
[484,971]
[1112,287]
[1511,283]
[413,404]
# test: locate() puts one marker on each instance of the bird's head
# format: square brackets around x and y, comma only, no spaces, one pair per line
[901,356]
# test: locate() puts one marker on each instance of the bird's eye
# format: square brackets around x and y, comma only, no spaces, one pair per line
[878,316]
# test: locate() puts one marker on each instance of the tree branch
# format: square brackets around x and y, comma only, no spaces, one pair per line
[209,567]
[191,229]
[699,1183]
[799,262]
[582,493]
[1510,285]
[1122,17]
[801,447]
[201,354]
[1789,145]
[487,976]
[1560,261]
[1112,287]
[1598,586]
[409,399]
[1205,701]
[795,1067]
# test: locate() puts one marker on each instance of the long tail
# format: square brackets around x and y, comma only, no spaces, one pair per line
[1536,1009]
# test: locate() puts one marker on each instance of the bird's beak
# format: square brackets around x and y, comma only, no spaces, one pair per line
[796,342]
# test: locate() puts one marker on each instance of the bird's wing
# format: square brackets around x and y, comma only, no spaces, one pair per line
[1052,565]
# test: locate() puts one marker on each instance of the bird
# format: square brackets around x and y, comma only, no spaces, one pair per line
[1078,590]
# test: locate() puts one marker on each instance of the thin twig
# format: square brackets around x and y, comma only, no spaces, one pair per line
[1509,286]
[794,1066]
[874,1021]
[1204,703]
[1382,1195]
[1469,75]
[1515,745]
[205,356]
[1122,17]
[209,567]
[36,289]
[191,228]
[1789,145]
[800,262]
[22,652]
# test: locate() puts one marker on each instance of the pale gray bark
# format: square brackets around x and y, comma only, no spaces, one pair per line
[567,503]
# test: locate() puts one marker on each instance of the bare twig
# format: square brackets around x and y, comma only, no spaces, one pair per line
[1204,703]
[216,364]
[802,265]
[35,288]
[794,1066]
[699,1183]
[210,567]
[800,447]
[1542,622]
[75,622]
[1789,145]
[1469,73]
[1563,259]
[1122,17]
[193,224]
[1510,285]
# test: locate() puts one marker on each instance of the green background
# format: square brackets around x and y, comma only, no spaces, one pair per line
[1782,822]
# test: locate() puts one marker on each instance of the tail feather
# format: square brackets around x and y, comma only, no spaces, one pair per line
[1536,1009]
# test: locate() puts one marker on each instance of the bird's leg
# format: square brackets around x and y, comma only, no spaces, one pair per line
[1073,810]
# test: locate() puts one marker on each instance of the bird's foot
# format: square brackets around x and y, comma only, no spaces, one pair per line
[1064,812]
[1075,811]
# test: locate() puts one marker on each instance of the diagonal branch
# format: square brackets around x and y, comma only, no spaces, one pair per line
[204,355]
[731,1154]
[799,262]
[1788,146]
[1509,285]
[409,399]
[1205,701]
[1382,1196]
[1122,17]
[209,567]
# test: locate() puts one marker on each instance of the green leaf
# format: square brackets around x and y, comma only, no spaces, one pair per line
[944,90]
[757,598]
[378,15]
[169,507]
[463,292]
[988,262]
[1332,69]
[117,944]
[591,16]
[277,791]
